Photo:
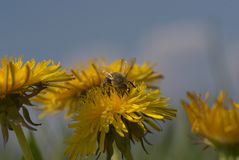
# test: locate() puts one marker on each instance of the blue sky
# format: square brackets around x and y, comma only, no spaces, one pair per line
[174,34]
[52,28]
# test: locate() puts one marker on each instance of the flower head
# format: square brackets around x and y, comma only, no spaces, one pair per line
[21,81]
[69,97]
[109,117]
[93,75]
[218,125]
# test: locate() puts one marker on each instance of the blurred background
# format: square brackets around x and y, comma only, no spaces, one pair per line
[194,44]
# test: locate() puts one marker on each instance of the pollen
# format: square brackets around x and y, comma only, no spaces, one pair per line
[110,118]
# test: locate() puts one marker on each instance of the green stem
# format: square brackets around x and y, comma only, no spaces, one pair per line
[22,141]
[116,153]
[224,156]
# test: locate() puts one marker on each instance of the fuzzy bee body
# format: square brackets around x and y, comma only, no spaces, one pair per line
[118,80]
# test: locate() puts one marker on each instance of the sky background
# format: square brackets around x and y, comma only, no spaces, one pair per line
[194,43]
[172,34]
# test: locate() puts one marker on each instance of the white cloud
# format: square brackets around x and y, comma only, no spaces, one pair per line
[181,49]
[178,37]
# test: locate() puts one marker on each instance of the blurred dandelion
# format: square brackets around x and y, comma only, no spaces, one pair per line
[218,126]
[93,75]
[108,118]
[19,83]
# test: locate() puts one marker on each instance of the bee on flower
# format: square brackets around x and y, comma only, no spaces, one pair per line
[217,125]
[108,119]
[120,74]
[119,80]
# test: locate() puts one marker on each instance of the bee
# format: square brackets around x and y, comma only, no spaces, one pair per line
[118,80]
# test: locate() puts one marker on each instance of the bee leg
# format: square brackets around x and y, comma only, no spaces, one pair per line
[107,87]
[131,83]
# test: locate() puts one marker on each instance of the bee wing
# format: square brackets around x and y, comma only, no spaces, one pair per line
[104,72]
[107,74]
[122,65]
[128,65]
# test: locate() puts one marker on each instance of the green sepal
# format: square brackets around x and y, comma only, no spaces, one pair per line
[142,144]
[5,134]
[152,124]
[28,118]
[135,130]
[123,144]
[4,127]
[20,120]
[109,139]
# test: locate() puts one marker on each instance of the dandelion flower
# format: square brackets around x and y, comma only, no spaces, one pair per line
[217,125]
[112,118]
[56,100]
[18,83]
[69,97]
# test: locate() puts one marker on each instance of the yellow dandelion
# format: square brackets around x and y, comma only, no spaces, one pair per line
[217,125]
[111,118]
[69,97]
[18,83]
[56,100]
